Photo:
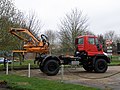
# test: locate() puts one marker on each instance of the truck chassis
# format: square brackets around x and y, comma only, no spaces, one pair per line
[88,53]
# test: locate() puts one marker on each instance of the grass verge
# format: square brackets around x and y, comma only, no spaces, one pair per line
[24,83]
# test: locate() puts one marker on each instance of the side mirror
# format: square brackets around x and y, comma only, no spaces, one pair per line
[76,41]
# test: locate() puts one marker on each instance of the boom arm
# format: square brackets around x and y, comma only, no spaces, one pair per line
[36,45]
[15,30]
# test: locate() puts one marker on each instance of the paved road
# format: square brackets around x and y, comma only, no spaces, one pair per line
[80,76]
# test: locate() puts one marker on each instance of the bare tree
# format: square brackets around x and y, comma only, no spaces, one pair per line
[33,23]
[109,35]
[7,8]
[12,17]
[52,38]
[71,26]
[117,38]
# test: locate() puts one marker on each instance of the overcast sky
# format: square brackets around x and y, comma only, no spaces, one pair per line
[104,15]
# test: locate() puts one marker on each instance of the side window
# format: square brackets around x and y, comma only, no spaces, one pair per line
[97,42]
[91,41]
[80,41]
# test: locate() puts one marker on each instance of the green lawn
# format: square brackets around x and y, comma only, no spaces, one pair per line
[24,83]
[115,60]
[23,66]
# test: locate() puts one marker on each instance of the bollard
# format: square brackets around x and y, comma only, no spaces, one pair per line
[29,70]
[7,68]
[62,72]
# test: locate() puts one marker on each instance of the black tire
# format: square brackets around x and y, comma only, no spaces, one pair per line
[41,67]
[100,66]
[51,67]
[88,68]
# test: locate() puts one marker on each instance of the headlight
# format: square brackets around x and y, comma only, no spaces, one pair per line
[77,52]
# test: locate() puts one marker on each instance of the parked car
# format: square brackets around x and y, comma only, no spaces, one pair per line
[6,60]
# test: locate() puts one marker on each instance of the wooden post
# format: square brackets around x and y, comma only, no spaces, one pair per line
[7,68]
[62,72]
[29,70]
[12,65]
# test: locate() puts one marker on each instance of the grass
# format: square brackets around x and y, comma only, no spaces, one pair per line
[24,65]
[24,83]
[115,60]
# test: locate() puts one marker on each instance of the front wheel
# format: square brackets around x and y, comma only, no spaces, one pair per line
[100,66]
[51,67]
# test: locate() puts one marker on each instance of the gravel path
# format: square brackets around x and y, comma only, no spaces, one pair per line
[73,75]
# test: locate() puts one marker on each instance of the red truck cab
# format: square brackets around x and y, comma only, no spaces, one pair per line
[91,53]
[89,44]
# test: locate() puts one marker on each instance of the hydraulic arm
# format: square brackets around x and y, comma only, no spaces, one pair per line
[31,43]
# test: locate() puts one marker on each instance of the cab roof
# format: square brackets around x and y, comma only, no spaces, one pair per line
[86,36]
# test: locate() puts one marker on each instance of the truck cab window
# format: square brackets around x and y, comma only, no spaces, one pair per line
[80,41]
[91,40]
[97,42]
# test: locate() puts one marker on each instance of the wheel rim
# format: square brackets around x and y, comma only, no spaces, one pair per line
[101,65]
[52,66]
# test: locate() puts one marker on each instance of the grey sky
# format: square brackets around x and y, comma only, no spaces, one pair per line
[104,15]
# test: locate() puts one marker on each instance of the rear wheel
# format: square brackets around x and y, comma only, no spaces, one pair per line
[51,67]
[41,67]
[100,66]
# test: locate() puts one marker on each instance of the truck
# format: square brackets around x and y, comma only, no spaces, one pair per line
[89,53]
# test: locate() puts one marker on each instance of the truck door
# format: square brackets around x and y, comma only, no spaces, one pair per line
[79,43]
[92,48]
